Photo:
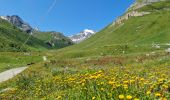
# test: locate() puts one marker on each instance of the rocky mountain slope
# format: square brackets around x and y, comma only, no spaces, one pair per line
[85,34]
[140,3]
[18,22]
[133,10]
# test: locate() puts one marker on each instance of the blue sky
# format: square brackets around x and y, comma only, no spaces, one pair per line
[66,16]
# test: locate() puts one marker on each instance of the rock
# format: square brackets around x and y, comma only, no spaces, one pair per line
[167,50]
[121,19]
[157,46]
[44,58]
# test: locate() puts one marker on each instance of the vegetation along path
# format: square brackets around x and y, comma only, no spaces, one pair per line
[4,76]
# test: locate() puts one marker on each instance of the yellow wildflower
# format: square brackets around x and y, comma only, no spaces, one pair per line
[125,82]
[121,97]
[157,94]
[102,89]
[125,86]
[93,98]
[128,97]
[111,82]
[163,98]
[165,86]
[148,92]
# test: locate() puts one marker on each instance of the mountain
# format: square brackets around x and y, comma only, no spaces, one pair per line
[53,39]
[138,30]
[14,36]
[82,36]
[13,39]
[18,22]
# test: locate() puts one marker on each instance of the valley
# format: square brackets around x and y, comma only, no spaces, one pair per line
[127,60]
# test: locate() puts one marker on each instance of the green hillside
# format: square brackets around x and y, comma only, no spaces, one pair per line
[54,40]
[137,34]
[13,39]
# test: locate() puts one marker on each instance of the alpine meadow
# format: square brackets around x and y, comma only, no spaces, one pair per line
[129,59]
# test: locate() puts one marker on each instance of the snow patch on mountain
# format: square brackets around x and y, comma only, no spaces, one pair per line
[3,17]
[82,36]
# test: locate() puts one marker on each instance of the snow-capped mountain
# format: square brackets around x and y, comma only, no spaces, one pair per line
[82,36]
[18,22]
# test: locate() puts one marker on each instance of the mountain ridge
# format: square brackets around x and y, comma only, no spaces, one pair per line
[25,36]
[140,3]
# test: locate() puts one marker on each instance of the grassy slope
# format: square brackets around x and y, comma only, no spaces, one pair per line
[137,34]
[12,39]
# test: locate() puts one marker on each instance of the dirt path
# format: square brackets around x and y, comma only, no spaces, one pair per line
[4,76]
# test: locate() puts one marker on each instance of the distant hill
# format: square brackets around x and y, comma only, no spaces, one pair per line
[54,40]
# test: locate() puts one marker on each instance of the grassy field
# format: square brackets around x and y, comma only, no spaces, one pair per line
[10,60]
[128,77]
